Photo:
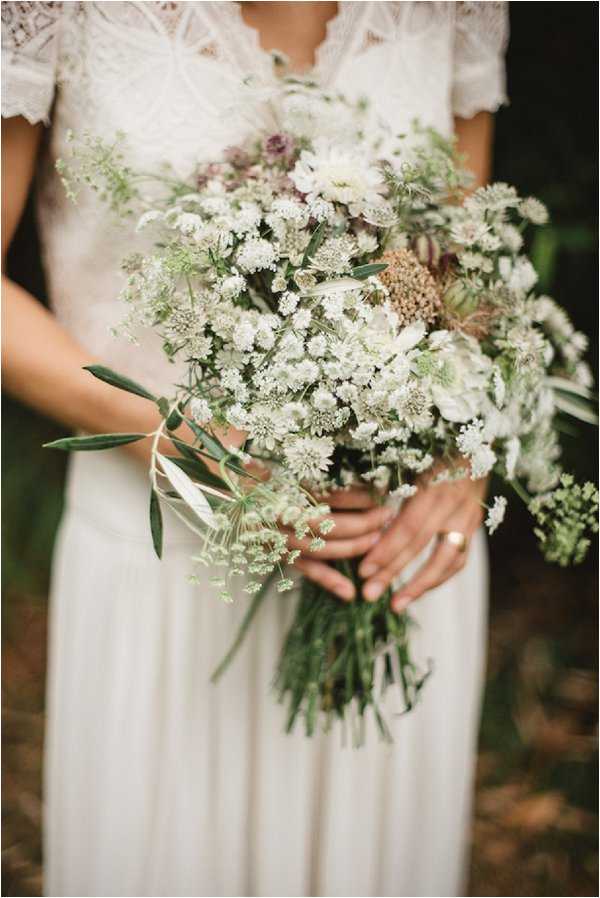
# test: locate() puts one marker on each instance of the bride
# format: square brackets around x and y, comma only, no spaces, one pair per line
[156,782]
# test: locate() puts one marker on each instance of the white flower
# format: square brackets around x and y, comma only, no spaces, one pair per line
[367,243]
[510,237]
[305,279]
[200,411]
[364,432]
[288,303]
[499,386]
[147,218]
[468,232]
[278,284]
[323,399]
[492,198]
[321,210]
[317,346]
[513,449]
[309,457]
[519,276]
[231,287]
[291,210]
[302,319]
[460,378]
[476,262]
[410,336]
[534,210]
[583,375]
[338,175]
[243,336]
[333,306]
[496,514]
[470,442]
[268,427]
[482,462]
[256,254]
[189,223]
[334,255]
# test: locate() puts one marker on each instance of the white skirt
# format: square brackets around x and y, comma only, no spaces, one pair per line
[159,783]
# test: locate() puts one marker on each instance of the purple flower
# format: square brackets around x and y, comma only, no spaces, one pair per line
[278,146]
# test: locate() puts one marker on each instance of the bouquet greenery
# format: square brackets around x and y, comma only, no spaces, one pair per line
[332,290]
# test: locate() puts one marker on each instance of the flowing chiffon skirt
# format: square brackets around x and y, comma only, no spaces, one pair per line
[159,783]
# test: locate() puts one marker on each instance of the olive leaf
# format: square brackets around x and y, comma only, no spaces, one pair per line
[118,380]
[156,523]
[99,441]
[189,491]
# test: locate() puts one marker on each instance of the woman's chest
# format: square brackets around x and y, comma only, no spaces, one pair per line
[173,77]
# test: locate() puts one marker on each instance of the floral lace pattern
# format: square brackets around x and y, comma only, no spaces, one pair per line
[167,73]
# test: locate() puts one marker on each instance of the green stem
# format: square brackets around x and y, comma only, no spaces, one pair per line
[520,491]
[244,626]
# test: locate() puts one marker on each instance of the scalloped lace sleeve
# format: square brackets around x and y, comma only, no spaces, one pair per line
[30,39]
[479,77]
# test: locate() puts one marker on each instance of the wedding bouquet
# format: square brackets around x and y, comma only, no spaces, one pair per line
[331,290]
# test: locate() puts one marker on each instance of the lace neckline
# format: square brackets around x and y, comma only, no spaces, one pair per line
[340,34]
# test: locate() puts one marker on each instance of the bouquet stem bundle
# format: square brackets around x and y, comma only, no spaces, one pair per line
[331,654]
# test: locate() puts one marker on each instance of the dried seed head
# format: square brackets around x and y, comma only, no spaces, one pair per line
[412,289]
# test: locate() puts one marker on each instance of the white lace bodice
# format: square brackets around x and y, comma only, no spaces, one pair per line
[167,75]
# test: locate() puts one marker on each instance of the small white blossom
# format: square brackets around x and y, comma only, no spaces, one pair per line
[534,210]
[200,411]
[495,514]
[309,457]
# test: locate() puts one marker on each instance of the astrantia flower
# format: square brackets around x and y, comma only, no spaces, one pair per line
[493,198]
[495,514]
[334,255]
[267,426]
[468,232]
[519,276]
[309,457]
[534,210]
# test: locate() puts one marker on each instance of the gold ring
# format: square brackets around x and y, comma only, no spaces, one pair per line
[455,538]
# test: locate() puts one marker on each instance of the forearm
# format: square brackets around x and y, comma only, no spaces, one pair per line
[474,138]
[42,365]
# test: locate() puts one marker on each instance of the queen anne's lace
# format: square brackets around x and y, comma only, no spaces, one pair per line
[167,74]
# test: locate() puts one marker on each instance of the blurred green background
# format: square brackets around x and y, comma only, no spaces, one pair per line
[535,825]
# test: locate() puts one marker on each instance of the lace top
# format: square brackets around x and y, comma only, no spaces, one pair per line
[167,74]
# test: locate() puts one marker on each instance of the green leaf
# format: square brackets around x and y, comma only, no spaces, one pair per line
[365,271]
[314,243]
[156,523]
[212,445]
[174,420]
[99,441]
[163,406]
[196,468]
[118,380]
[190,492]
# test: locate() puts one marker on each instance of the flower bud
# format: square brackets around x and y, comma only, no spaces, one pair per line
[459,299]
[427,250]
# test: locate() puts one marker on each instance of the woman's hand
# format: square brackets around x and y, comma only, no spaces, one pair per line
[358,520]
[433,509]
